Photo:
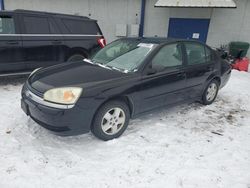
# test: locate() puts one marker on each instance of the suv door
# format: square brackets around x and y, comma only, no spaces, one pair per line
[80,34]
[42,41]
[11,53]
[200,65]
[167,82]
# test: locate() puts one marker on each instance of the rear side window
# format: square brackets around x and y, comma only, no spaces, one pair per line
[7,25]
[81,27]
[195,53]
[36,25]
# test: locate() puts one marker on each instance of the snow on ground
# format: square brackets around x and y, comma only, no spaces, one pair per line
[168,148]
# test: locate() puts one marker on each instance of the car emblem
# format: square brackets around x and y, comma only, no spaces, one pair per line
[28,94]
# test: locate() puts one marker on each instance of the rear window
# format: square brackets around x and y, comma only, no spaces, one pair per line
[7,25]
[81,27]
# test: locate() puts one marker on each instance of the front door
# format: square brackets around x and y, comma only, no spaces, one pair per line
[167,84]
[183,28]
[11,52]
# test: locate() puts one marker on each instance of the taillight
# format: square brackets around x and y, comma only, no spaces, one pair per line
[102,42]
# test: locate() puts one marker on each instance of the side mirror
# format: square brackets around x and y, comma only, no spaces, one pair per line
[151,71]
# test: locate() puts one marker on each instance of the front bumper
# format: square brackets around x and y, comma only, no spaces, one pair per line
[65,122]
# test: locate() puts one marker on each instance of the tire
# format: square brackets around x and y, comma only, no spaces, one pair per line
[106,124]
[75,57]
[210,93]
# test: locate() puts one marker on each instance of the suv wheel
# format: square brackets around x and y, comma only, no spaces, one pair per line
[111,120]
[210,93]
[75,57]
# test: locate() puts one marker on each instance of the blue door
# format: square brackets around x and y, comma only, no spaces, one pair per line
[183,28]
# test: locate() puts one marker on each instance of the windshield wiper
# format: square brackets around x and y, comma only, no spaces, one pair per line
[103,66]
[97,63]
[118,69]
[88,61]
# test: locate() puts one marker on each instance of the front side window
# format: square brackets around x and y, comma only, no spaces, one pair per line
[168,56]
[195,53]
[36,25]
[125,55]
[7,25]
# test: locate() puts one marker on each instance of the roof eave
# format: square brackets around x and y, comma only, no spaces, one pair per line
[158,6]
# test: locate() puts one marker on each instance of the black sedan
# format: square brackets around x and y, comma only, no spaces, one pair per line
[126,78]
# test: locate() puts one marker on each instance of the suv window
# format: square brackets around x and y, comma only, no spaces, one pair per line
[7,25]
[168,56]
[81,27]
[36,25]
[195,53]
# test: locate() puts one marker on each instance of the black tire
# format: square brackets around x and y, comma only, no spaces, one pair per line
[75,57]
[206,100]
[97,126]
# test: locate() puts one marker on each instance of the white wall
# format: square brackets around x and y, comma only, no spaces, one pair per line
[230,25]
[107,12]
[156,20]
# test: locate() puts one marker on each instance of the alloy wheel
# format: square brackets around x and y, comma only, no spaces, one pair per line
[211,92]
[113,121]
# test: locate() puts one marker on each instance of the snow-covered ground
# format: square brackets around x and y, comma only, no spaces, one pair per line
[185,146]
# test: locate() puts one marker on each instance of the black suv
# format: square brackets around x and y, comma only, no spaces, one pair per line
[32,39]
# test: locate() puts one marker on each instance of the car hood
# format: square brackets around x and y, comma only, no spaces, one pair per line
[79,74]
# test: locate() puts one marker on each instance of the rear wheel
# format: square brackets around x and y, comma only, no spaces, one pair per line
[111,120]
[75,57]
[210,93]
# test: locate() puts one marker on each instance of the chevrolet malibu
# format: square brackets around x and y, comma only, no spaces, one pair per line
[128,77]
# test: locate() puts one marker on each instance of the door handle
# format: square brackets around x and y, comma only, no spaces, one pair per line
[12,42]
[56,42]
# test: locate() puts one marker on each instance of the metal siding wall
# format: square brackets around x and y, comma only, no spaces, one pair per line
[156,20]
[230,25]
[107,12]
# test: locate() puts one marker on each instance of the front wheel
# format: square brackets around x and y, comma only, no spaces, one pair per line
[111,120]
[210,93]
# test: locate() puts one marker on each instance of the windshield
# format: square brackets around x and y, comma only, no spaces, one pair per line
[123,55]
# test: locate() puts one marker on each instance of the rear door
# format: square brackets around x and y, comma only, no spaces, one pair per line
[42,41]
[11,52]
[200,65]
[167,85]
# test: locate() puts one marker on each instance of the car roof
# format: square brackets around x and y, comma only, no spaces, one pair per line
[22,11]
[159,40]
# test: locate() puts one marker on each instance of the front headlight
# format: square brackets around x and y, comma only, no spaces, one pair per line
[64,95]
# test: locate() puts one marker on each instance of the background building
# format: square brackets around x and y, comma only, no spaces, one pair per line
[117,18]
